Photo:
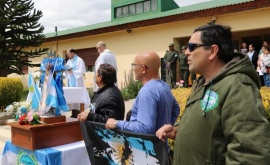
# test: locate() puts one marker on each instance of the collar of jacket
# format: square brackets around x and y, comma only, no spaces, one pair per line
[100,90]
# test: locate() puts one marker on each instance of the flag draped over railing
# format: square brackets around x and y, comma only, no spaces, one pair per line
[112,147]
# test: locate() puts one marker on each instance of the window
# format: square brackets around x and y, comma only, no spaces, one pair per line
[125,11]
[136,8]
[118,12]
[139,8]
[153,5]
[131,9]
[146,6]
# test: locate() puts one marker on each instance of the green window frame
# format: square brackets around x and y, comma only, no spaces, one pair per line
[136,8]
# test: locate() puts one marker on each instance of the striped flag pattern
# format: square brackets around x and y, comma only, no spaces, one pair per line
[34,95]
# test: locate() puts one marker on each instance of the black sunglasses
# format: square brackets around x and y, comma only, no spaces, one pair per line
[192,46]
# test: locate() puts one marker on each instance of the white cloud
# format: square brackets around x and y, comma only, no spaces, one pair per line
[67,14]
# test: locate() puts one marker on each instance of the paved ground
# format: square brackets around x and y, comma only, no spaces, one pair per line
[5,132]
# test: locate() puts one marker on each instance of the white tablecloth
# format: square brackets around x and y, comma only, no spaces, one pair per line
[76,95]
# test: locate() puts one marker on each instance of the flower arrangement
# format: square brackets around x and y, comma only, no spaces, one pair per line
[18,108]
[180,83]
[22,113]
[30,118]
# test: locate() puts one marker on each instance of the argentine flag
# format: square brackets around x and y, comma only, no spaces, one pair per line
[68,154]
[34,94]
[52,96]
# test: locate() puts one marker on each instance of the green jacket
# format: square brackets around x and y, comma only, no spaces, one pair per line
[182,58]
[171,56]
[234,129]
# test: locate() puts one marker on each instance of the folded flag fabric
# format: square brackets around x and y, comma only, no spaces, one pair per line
[112,147]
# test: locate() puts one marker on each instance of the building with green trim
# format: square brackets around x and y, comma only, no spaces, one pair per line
[142,25]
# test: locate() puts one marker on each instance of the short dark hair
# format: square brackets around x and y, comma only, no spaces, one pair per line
[252,45]
[219,35]
[71,50]
[108,74]
[267,48]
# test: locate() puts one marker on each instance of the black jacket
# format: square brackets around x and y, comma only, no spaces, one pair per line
[109,103]
[255,59]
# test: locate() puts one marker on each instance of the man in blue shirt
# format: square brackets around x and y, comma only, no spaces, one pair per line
[155,105]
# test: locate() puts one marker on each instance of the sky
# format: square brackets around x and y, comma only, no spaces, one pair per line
[67,14]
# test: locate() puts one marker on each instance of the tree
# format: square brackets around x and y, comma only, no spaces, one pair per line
[19,31]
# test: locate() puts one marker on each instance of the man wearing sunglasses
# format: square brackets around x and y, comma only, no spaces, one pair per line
[155,105]
[224,120]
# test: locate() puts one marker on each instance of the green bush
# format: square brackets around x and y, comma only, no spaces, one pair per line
[131,90]
[131,87]
[24,94]
[10,91]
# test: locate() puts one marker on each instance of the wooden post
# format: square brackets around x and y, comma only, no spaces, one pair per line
[81,107]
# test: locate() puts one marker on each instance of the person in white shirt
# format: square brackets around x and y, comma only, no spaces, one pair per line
[74,74]
[105,56]
[264,65]
[76,71]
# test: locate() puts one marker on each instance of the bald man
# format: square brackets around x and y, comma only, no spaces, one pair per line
[155,105]
[105,56]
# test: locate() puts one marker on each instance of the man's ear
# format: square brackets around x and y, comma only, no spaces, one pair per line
[213,52]
[99,78]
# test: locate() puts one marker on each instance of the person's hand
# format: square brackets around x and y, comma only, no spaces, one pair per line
[111,123]
[82,116]
[166,131]
[70,72]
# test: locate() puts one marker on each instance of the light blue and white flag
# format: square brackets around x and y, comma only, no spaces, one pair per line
[52,96]
[34,94]
[68,154]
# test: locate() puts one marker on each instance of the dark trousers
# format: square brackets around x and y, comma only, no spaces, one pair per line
[173,70]
[184,74]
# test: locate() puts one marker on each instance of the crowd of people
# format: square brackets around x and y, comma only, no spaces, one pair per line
[219,125]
